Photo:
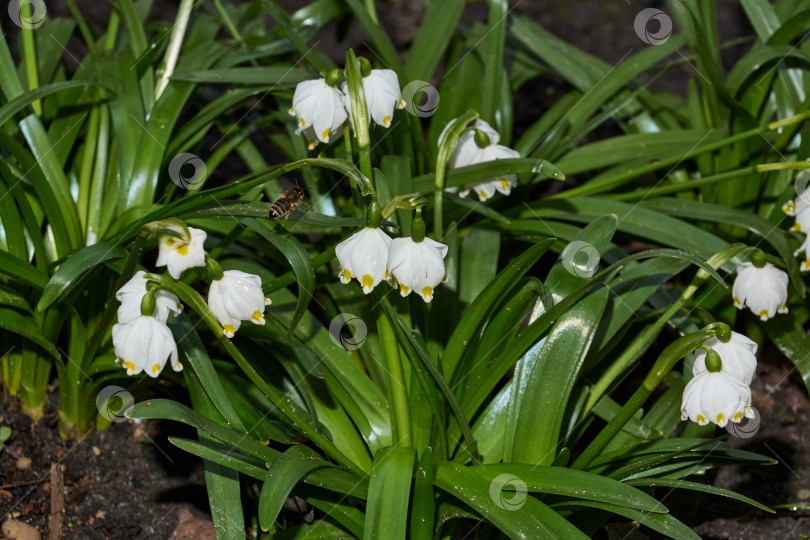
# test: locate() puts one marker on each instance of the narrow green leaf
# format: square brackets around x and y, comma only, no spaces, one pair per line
[282,477]
[696,486]
[389,493]
[75,268]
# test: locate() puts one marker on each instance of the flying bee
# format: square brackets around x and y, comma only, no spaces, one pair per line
[286,204]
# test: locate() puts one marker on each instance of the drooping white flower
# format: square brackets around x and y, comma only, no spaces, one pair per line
[180,254]
[132,293]
[235,298]
[467,147]
[144,344]
[503,184]
[798,205]
[416,266]
[763,290]
[363,256]
[738,357]
[802,223]
[382,95]
[318,105]
[716,397]
[468,152]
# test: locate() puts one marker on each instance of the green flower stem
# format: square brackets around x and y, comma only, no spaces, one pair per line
[279,400]
[448,144]
[669,357]
[398,394]
[166,70]
[783,165]
[30,56]
[359,112]
[372,11]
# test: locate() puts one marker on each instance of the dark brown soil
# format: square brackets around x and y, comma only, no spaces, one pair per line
[124,482]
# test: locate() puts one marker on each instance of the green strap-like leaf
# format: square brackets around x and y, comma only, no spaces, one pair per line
[389,493]
[282,477]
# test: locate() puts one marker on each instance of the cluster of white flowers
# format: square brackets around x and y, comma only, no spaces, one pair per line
[721,393]
[478,145]
[800,209]
[410,263]
[321,108]
[142,339]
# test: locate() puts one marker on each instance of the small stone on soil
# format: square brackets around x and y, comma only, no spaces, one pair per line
[96,451]
[24,463]
[17,530]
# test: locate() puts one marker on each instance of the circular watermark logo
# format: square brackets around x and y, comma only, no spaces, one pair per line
[113,402]
[580,259]
[802,182]
[499,496]
[187,171]
[421,98]
[653,26]
[747,427]
[349,331]
[28,14]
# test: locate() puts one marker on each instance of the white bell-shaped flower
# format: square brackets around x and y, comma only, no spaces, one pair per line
[502,184]
[363,256]
[467,148]
[144,344]
[738,357]
[805,247]
[798,205]
[469,152]
[319,106]
[416,266]
[716,397]
[132,293]
[237,297]
[382,94]
[180,254]
[802,223]
[762,290]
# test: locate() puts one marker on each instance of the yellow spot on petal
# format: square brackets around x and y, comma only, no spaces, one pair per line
[346,275]
[155,368]
[267,302]
[130,366]
[401,102]
[482,195]
[504,183]
[796,227]
[387,121]
[763,314]
[258,318]
[386,274]
[789,207]
[292,111]
[179,306]
[229,331]
[404,290]
[737,302]
[444,279]
[325,134]
[368,283]
[701,419]
[427,293]
[183,250]
[312,145]
[738,417]
[302,122]
[721,418]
